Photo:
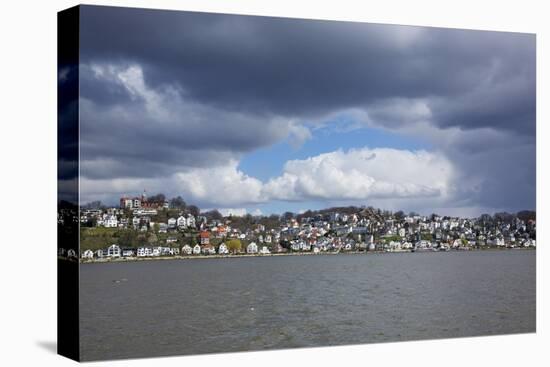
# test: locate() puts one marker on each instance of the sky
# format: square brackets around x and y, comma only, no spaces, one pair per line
[265,115]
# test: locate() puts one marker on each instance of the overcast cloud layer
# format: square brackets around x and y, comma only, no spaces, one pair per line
[171,101]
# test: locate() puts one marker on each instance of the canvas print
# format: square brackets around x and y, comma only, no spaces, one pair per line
[242,183]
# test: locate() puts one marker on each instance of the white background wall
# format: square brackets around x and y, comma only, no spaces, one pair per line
[28,183]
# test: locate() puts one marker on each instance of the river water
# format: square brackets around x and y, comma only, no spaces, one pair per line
[172,307]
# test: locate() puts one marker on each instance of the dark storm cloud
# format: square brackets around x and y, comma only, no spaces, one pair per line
[180,90]
[306,68]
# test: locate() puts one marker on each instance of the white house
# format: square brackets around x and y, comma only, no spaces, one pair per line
[264,250]
[127,252]
[456,243]
[252,248]
[172,222]
[110,221]
[208,250]
[196,250]
[99,253]
[191,221]
[423,244]
[88,254]
[181,222]
[186,250]
[113,251]
[222,249]
[144,252]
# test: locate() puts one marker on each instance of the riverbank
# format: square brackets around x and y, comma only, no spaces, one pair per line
[233,256]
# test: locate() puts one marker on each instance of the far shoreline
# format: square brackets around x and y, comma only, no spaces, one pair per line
[217,256]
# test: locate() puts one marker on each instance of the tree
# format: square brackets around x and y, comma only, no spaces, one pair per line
[153,238]
[399,215]
[234,245]
[527,215]
[93,205]
[141,240]
[178,203]
[288,216]
[503,217]
[195,211]
[213,215]
[127,238]
[158,198]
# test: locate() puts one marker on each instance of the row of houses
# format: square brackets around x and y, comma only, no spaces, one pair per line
[115,251]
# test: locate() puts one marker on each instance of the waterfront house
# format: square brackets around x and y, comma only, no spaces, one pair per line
[222,249]
[113,251]
[252,248]
[99,253]
[208,249]
[264,250]
[128,252]
[88,254]
[196,250]
[144,252]
[186,250]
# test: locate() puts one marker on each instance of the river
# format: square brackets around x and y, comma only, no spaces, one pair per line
[159,308]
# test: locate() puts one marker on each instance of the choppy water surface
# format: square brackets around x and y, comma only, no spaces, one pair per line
[155,308]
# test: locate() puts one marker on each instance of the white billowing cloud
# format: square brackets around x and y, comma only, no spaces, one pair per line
[354,175]
[360,174]
[214,187]
[224,185]
[235,212]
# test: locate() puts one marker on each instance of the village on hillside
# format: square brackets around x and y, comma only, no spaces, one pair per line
[153,227]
